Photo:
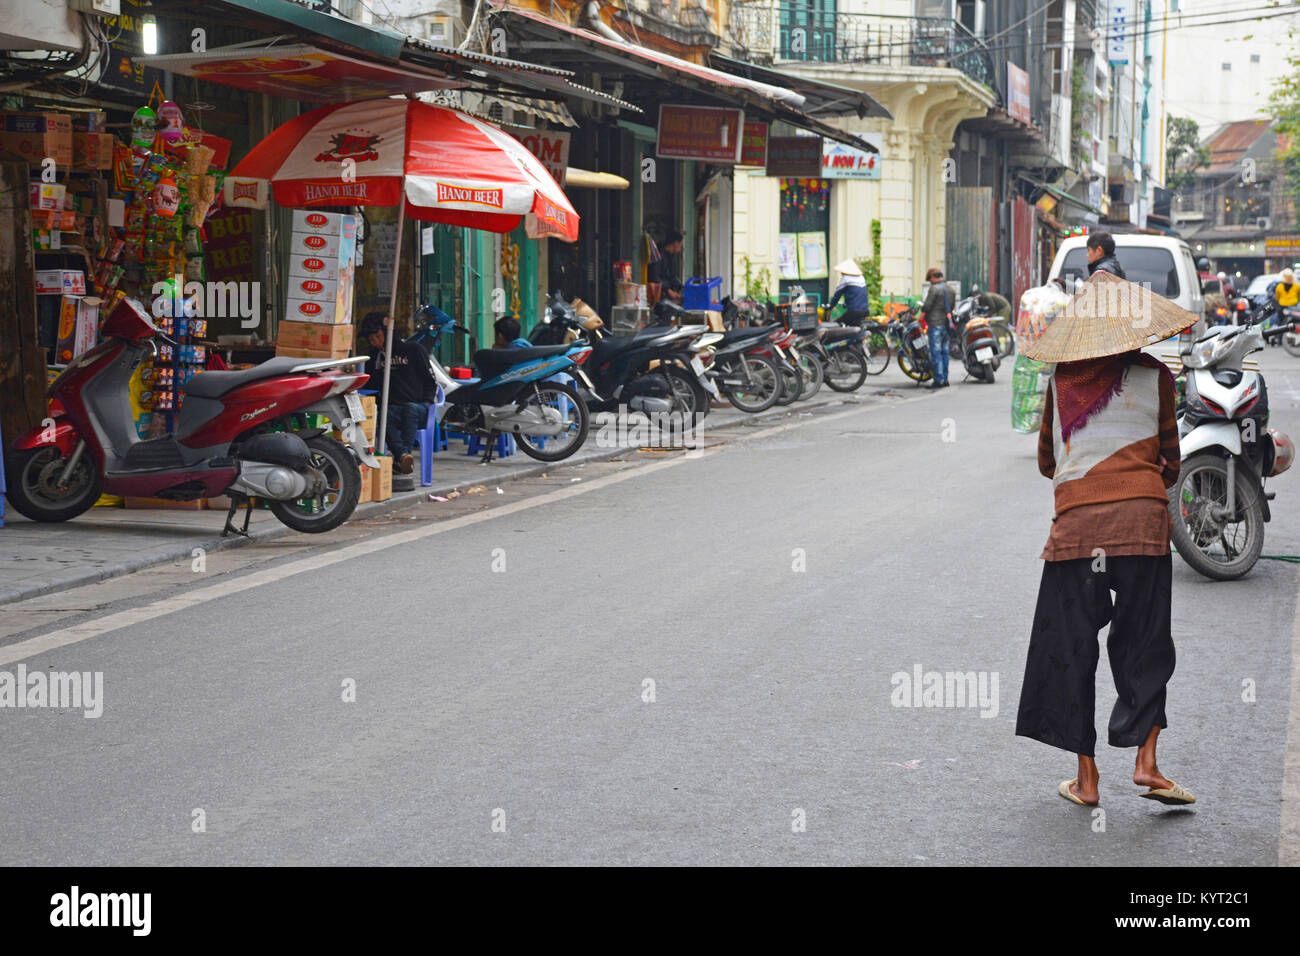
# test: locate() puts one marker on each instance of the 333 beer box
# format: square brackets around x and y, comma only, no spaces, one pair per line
[313,267]
[311,310]
[313,289]
[321,223]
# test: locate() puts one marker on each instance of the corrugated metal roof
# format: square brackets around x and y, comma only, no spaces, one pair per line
[1229,143]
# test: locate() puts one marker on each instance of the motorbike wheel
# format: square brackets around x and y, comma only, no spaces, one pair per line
[689,397]
[875,349]
[847,370]
[791,384]
[30,477]
[335,504]
[562,398]
[1291,342]
[911,369]
[765,381]
[812,372]
[1214,548]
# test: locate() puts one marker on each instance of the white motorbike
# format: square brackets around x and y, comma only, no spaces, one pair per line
[1219,505]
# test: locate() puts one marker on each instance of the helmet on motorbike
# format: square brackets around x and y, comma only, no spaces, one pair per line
[665,313]
[1203,264]
[1283,452]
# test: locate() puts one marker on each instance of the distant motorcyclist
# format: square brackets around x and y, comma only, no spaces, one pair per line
[1287,291]
[1101,255]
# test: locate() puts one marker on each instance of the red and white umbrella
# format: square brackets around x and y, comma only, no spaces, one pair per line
[451,167]
[435,164]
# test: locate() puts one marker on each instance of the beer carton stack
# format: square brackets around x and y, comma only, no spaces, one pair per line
[318,310]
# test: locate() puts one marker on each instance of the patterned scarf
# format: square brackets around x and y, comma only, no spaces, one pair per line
[1085,388]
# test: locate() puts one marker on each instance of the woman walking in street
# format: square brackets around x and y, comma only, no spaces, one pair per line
[1109,442]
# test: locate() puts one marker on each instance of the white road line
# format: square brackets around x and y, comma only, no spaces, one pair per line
[138,615]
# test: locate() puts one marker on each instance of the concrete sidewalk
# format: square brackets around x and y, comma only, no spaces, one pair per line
[40,558]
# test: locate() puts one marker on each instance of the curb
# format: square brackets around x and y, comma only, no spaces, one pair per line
[368,509]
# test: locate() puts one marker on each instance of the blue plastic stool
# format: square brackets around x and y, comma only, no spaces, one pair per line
[503,448]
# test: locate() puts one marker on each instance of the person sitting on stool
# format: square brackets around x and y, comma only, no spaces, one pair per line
[507,334]
[410,388]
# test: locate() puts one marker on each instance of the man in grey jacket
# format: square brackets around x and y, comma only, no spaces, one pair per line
[935,309]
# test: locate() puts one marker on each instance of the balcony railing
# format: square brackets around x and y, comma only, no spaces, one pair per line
[782,32]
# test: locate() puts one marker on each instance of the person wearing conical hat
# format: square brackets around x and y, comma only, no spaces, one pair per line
[853,289]
[1109,442]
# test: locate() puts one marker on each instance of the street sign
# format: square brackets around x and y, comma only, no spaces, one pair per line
[753,151]
[710,133]
[794,157]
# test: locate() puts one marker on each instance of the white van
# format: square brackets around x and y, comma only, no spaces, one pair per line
[1164,262]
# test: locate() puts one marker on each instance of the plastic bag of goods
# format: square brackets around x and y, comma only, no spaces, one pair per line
[1030,378]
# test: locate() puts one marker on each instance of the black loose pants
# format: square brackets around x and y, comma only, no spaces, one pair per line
[1058,697]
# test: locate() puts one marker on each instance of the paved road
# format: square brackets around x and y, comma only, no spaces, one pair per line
[518,695]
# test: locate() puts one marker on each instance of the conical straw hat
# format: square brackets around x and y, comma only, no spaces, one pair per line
[1109,315]
[849,268]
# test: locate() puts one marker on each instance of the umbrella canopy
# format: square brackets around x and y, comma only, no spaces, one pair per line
[1109,315]
[447,166]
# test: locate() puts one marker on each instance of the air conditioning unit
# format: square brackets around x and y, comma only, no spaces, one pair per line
[441,30]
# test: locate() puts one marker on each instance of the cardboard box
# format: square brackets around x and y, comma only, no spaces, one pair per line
[93,150]
[46,196]
[312,335]
[313,289]
[60,282]
[36,136]
[319,313]
[371,408]
[322,245]
[365,486]
[78,327]
[381,478]
[322,223]
[38,122]
[313,267]
[322,354]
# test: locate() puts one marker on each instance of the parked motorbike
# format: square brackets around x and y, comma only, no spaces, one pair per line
[1219,505]
[750,381]
[874,343]
[222,445]
[911,346]
[839,350]
[999,325]
[971,342]
[516,393]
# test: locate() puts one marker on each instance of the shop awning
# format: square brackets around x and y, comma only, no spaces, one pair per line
[1058,194]
[371,60]
[544,39]
[820,98]
[300,71]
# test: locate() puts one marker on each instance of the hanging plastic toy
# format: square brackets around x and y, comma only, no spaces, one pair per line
[144,124]
[173,121]
[166,197]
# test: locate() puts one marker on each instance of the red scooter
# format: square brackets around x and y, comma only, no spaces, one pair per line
[222,443]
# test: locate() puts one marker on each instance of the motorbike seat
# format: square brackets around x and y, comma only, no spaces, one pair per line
[840,333]
[755,332]
[493,362]
[605,349]
[216,384]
